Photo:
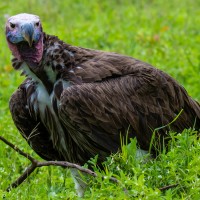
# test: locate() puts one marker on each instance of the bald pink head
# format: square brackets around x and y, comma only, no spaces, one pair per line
[25,37]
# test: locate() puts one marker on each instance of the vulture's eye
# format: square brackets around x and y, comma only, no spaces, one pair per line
[12,25]
[37,23]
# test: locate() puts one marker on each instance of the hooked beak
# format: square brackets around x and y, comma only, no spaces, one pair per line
[28,32]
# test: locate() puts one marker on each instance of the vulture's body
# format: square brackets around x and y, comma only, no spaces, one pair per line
[77,103]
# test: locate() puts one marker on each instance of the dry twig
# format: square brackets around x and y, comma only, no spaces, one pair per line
[35,164]
[168,187]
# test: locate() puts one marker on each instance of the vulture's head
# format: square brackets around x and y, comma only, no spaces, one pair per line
[25,37]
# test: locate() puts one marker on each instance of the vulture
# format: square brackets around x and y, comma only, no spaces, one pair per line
[76,103]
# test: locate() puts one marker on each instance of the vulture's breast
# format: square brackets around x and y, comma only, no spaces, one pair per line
[43,106]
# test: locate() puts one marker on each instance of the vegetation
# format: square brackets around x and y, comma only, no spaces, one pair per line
[163,33]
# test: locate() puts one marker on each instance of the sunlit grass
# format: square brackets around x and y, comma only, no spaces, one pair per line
[164,34]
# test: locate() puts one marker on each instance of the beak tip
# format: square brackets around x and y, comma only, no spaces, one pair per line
[30,44]
[29,40]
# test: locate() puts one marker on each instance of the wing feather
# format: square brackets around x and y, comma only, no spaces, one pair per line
[140,101]
[30,126]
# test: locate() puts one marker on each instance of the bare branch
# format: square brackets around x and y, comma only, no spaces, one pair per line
[67,164]
[35,164]
[167,187]
[26,155]
[23,177]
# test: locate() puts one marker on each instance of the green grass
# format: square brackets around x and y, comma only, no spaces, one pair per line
[165,34]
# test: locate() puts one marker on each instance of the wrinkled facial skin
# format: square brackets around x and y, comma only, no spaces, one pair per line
[24,36]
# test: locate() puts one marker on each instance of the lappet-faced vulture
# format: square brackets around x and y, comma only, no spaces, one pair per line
[76,103]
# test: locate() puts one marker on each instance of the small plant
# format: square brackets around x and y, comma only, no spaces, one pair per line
[173,174]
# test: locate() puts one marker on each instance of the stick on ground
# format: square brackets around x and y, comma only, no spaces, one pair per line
[35,164]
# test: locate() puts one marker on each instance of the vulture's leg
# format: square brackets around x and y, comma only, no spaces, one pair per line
[140,153]
[80,185]
[31,129]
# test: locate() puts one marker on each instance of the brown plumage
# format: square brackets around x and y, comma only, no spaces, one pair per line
[76,102]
